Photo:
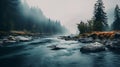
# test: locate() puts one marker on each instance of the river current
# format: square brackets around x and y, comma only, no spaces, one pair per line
[37,53]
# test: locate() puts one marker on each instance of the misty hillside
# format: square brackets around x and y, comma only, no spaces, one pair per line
[18,16]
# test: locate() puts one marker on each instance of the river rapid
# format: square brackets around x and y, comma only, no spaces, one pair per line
[37,53]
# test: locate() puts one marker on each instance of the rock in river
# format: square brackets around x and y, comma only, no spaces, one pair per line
[93,47]
[114,45]
[54,47]
[23,38]
[85,40]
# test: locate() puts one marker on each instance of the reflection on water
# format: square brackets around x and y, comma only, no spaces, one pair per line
[37,54]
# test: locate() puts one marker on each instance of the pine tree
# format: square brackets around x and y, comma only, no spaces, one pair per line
[82,27]
[8,11]
[116,23]
[100,18]
[16,16]
[90,25]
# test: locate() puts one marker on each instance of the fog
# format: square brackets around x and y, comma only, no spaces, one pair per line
[71,12]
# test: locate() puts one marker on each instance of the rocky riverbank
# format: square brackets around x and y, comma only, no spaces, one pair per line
[14,39]
[108,40]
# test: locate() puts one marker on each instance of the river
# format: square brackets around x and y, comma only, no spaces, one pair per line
[37,53]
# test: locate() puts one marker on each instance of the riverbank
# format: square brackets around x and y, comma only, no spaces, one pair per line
[22,33]
[109,40]
[111,35]
[11,37]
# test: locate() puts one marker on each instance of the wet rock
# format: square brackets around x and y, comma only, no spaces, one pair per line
[23,38]
[117,36]
[54,47]
[94,47]
[9,40]
[85,40]
[114,45]
[57,48]
[70,37]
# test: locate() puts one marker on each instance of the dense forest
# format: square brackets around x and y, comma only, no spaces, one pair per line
[99,21]
[18,16]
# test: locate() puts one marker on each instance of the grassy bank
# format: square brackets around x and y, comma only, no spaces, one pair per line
[101,35]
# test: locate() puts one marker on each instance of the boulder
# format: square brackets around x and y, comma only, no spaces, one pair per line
[114,45]
[117,36]
[57,48]
[9,40]
[23,38]
[54,47]
[85,40]
[93,47]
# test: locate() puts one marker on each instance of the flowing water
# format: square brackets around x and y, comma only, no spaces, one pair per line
[37,53]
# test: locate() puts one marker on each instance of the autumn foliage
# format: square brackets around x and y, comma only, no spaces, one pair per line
[107,35]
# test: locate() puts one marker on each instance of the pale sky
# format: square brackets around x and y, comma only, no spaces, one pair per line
[71,12]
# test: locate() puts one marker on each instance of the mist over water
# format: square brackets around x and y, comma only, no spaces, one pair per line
[47,48]
[71,12]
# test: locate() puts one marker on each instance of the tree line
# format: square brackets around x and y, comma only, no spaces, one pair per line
[16,16]
[99,21]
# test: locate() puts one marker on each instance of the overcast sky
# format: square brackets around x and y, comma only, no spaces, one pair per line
[71,12]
